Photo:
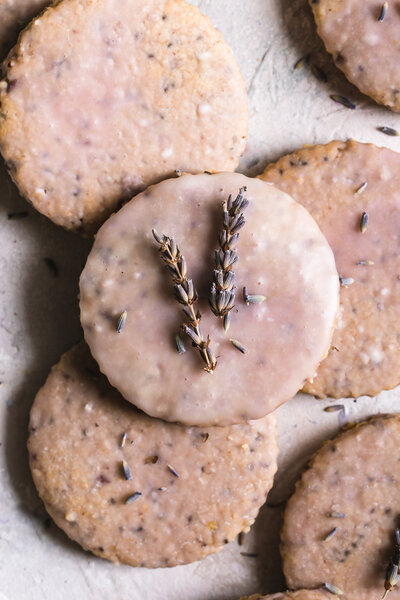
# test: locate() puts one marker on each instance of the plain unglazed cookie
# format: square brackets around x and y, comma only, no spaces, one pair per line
[137,490]
[364,41]
[339,524]
[297,595]
[282,256]
[101,98]
[14,15]
[337,183]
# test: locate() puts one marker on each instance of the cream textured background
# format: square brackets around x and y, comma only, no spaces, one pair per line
[39,320]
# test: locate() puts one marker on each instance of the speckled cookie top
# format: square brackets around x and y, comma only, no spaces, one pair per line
[364,40]
[282,255]
[337,183]
[135,489]
[103,97]
[342,517]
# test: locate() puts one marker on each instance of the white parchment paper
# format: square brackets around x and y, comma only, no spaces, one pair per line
[39,320]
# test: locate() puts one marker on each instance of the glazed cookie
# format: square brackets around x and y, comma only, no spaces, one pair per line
[338,183]
[137,490]
[14,15]
[363,38]
[339,524]
[283,258]
[134,90]
[298,595]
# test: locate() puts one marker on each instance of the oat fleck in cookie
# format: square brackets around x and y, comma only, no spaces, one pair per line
[135,90]
[353,192]
[363,38]
[284,309]
[137,490]
[344,512]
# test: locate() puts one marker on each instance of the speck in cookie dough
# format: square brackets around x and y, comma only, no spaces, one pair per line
[353,192]
[101,98]
[352,484]
[364,40]
[137,490]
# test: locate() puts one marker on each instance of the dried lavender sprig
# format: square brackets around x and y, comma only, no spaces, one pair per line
[364,222]
[126,470]
[346,281]
[365,263]
[392,576]
[343,101]
[383,12]
[361,188]
[186,295]
[332,589]
[330,535]
[222,296]
[253,298]
[388,130]
[173,471]
[301,62]
[180,346]
[121,321]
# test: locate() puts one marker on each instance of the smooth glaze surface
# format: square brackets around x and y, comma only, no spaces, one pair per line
[364,47]
[282,255]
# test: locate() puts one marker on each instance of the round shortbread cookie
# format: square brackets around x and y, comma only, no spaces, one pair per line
[337,183]
[297,595]
[364,47]
[103,97]
[339,524]
[14,15]
[181,494]
[282,255]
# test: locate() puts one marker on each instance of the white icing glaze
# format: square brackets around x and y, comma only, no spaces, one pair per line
[286,337]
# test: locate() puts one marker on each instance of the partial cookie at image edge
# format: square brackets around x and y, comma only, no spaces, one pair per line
[342,184]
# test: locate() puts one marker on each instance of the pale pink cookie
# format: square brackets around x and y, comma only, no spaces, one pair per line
[282,256]
[364,40]
[101,98]
[137,490]
[339,525]
[337,183]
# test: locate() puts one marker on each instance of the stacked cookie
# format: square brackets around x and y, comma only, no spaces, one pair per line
[146,470]
[135,489]
[238,320]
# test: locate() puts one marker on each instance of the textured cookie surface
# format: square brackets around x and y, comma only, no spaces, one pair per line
[366,49]
[356,479]
[103,97]
[198,487]
[282,255]
[14,15]
[330,182]
[297,595]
